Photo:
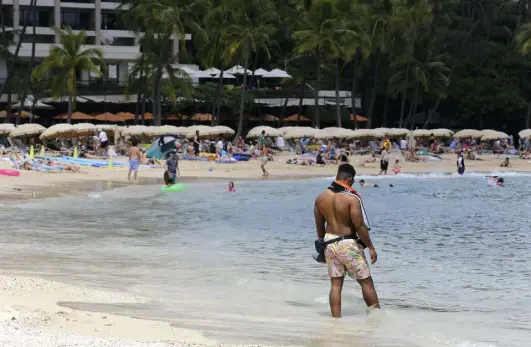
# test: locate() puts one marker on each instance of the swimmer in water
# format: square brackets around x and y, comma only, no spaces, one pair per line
[231,188]
[364,184]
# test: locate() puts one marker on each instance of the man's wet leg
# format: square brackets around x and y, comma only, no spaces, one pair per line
[335,296]
[369,292]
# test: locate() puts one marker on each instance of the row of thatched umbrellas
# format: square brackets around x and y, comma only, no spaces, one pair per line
[379,133]
[87,129]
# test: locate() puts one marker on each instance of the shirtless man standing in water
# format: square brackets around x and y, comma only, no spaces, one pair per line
[339,213]
[134,159]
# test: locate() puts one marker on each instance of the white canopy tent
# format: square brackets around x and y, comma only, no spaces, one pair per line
[260,72]
[238,70]
[276,73]
[212,71]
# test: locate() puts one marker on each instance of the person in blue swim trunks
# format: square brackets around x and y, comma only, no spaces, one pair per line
[134,159]
[172,167]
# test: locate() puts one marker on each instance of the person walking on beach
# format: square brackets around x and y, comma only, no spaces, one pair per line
[196,143]
[104,142]
[264,160]
[134,159]
[384,161]
[341,222]
[460,163]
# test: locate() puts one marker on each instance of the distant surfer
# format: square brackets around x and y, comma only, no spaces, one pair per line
[343,230]
[134,159]
[460,163]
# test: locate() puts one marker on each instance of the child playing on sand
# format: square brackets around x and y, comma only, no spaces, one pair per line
[231,188]
[396,167]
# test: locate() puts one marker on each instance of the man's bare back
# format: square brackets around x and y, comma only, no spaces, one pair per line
[335,209]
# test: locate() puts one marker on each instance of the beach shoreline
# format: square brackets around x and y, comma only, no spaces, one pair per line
[34,185]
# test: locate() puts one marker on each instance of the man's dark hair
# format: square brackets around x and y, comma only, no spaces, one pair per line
[263,132]
[134,141]
[345,172]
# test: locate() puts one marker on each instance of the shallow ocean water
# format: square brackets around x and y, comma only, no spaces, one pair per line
[453,259]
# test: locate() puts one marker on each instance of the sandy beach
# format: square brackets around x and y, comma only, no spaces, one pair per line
[30,185]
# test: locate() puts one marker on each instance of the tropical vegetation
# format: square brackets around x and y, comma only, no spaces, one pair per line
[410,62]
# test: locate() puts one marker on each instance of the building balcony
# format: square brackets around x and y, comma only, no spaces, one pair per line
[110,53]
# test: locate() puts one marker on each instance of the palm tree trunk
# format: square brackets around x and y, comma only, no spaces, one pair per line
[316,91]
[338,106]
[244,87]
[284,107]
[139,95]
[218,98]
[157,82]
[376,77]
[70,108]
[353,88]
[386,104]
[404,94]
[14,58]
[413,106]
[301,97]
[29,68]
[528,119]
[8,106]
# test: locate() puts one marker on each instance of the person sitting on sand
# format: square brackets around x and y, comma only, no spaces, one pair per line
[396,167]
[506,163]
[371,160]
[364,184]
[231,188]
[320,160]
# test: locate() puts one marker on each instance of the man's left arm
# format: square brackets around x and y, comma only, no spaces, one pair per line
[319,222]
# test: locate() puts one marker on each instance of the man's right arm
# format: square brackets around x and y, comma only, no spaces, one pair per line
[356,215]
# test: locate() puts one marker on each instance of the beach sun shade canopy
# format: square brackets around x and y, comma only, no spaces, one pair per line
[202,117]
[298,132]
[195,73]
[140,130]
[365,134]
[171,130]
[421,133]
[84,129]
[30,102]
[23,115]
[526,133]
[276,73]
[294,117]
[27,130]
[337,133]
[225,75]
[260,72]
[204,131]
[257,131]
[442,133]
[59,131]
[6,128]
[468,134]
[358,118]
[222,130]
[489,135]
[75,116]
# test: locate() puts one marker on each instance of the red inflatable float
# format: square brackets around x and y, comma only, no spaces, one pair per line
[9,172]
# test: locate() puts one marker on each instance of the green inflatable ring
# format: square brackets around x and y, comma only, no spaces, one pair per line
[178,187]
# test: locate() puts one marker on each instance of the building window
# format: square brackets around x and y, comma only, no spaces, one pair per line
[75,20]
[7,14]
[37,18]
[109,21]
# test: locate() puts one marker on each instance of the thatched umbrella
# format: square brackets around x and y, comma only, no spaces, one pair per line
[298,132]
[338,133]
[84,129]
[204,131]
[441,132]
[139,130]
[172,130]
[489,135]
[58,131]
[468,134]
[524,134]
[6,128]
[365,134]
[27,130]
[269,131]
[421,133]
[222,130]
[394,132]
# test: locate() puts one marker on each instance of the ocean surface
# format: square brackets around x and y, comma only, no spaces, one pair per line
[454,263]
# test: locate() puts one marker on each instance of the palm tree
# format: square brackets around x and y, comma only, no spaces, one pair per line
[523,42]
[250,31]
[69,59]
[322,33]
[29,68]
